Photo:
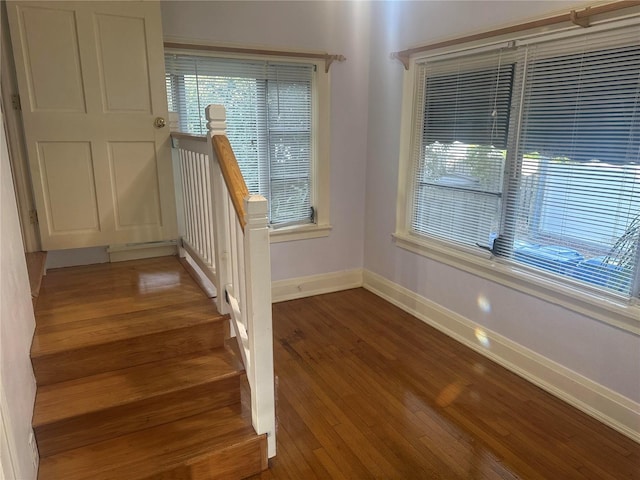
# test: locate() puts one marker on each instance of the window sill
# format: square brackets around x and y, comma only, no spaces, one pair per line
[617,313]
[298,232]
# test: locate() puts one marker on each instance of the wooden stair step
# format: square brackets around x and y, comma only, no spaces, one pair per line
[114,302]
[71,414]
[213,445]
[141,276]
[87,347]
[61,301]
[108,328]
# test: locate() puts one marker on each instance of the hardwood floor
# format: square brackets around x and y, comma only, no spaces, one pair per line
[367,391]
[364,390]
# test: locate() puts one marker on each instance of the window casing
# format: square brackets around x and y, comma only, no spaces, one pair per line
[276,123]
[528,159]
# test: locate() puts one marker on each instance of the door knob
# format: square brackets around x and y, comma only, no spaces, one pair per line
[159,122]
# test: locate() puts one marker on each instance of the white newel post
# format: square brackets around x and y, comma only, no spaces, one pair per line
[217,125]
[258,289]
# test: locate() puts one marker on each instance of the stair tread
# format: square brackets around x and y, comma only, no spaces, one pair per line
[144,453]
[157,275]
[85,395]
[55,338]
[82,310]
[78,293]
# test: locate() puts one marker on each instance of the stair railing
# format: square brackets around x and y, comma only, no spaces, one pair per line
[194,197]
[226,232]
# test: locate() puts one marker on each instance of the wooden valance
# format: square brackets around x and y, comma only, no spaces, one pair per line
[577,17]
[328,58]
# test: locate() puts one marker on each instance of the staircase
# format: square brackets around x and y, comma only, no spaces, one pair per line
[134,379]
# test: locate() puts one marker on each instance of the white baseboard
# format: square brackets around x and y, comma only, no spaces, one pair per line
[124,253]
[600,402]
[75,257]
[301,287]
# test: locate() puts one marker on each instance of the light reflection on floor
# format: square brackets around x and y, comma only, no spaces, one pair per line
[470,458]
[449,394]
[479,368]
[157,281]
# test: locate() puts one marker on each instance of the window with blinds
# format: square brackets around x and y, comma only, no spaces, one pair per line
[461,153]
[269,122]
[556,187]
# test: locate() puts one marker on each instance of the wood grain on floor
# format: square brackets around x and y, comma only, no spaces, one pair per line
[365,390]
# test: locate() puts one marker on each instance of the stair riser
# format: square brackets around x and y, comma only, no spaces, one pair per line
[235,462]
[83,362]
[104,424]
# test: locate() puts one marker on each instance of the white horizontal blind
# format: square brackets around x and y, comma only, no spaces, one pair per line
[269,122]
[460,145]
[575,195]
[289,140]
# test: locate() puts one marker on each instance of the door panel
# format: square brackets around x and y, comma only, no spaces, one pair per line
[94,76]
[135,179]
[53,86]
[123,63]
[70,195]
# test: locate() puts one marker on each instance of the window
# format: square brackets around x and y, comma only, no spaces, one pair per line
[271,124]
[463,132]
[531,151]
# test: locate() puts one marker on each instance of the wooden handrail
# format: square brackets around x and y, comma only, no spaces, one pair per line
[236,185]
[581,18]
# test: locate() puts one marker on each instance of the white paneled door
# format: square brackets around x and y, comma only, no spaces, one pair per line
[91,81]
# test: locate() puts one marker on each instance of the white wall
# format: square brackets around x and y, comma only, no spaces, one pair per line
[598,351]
[331,27]
[17,384]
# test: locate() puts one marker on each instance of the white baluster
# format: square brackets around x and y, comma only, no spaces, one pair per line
[258,305]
